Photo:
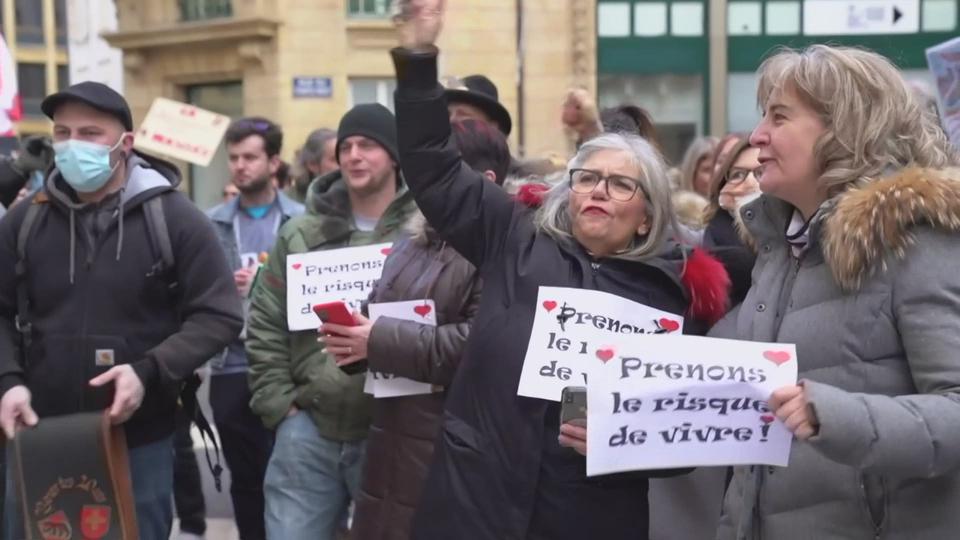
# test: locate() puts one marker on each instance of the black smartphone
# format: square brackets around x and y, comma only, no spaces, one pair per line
[573,405]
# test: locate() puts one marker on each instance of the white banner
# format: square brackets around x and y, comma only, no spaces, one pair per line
[387,385]
[570,334]
[944,62]
[346,275]
[181,131]
[687,401]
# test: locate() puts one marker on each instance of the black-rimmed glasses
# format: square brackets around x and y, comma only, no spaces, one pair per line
[619,188]
[737,175]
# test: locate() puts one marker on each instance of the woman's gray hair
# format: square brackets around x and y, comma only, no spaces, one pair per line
[554,217]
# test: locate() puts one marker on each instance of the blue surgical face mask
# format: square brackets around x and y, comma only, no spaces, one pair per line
[85,165]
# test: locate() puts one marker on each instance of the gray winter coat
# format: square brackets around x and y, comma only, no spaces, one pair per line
[874,309]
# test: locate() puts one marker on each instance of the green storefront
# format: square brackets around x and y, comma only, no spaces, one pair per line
[656,54]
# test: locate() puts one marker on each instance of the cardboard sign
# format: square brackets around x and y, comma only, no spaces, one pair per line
[571,330]
[181,131]
[944,62]
[387,385]
[346,275]
[686,401]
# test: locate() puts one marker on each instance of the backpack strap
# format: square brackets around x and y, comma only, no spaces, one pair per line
[188,399]
[22,321]
[160,240]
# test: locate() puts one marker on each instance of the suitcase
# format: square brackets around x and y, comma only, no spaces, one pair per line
[71,477]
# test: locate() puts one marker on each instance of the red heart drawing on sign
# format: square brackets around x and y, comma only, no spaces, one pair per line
[669,325]
[423,310]
[297,266]
[549,305]
[777,357]
[605,354]
[767,418]
[386,251]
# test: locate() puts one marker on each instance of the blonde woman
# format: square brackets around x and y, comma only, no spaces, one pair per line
[697,167]
[856,236]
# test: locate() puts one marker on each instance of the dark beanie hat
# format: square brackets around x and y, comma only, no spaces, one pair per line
[373,121]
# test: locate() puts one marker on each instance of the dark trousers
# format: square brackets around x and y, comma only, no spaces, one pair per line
[187,486]
[246,449]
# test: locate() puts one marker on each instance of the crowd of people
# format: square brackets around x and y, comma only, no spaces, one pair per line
[829,226]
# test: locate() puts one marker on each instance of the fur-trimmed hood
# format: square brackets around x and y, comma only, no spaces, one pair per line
[859,228]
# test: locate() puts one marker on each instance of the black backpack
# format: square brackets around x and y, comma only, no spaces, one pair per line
[165,267]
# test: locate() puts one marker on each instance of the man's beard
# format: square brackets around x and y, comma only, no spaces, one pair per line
[257,185]
[375,185]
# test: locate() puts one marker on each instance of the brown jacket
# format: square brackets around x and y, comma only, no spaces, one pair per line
[400,444]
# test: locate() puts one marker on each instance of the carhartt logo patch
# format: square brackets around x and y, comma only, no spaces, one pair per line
[104,357]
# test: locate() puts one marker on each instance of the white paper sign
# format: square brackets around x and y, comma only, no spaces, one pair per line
[386,385]
[346,275]
[944,62]
[181,131]
[571,331]
[687,401]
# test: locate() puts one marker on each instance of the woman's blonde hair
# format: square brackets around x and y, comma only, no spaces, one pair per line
[874,122]
[554,217]
[720,178]
[700,149]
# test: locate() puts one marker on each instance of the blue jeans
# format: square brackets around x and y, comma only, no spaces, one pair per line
[151,471]
[310,481]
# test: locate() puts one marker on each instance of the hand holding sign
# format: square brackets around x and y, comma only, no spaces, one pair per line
[690,401]
[791,407]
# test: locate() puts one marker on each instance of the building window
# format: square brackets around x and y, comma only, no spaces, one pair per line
[783,18]
[63,76]
[368,8]
[29,17]
[613,19]
[371,90]
[939,15]
[60,20]
[743,18]
[32,79]
[649,19]
[197,10]
[686,19]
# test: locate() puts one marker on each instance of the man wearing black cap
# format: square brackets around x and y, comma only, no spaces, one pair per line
[94,313]
[475,97]
[319,411]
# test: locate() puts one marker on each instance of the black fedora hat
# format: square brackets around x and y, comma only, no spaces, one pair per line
[480,92]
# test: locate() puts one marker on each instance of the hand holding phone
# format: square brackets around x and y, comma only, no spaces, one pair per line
[573,418]
[337,313]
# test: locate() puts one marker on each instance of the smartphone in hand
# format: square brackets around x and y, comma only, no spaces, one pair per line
[337,313]
[334,313]
[573,406]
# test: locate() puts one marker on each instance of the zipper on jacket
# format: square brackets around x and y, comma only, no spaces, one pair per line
[595,266]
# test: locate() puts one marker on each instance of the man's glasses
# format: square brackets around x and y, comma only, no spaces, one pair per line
[618,188]
[737,175]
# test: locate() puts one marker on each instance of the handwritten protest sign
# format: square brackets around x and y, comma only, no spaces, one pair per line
[944,63]
[387,385]
[687,401]
[572,330]
[346,275]
[181,131]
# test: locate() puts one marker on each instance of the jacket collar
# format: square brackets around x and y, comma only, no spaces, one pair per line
[857,230]
[226,212]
